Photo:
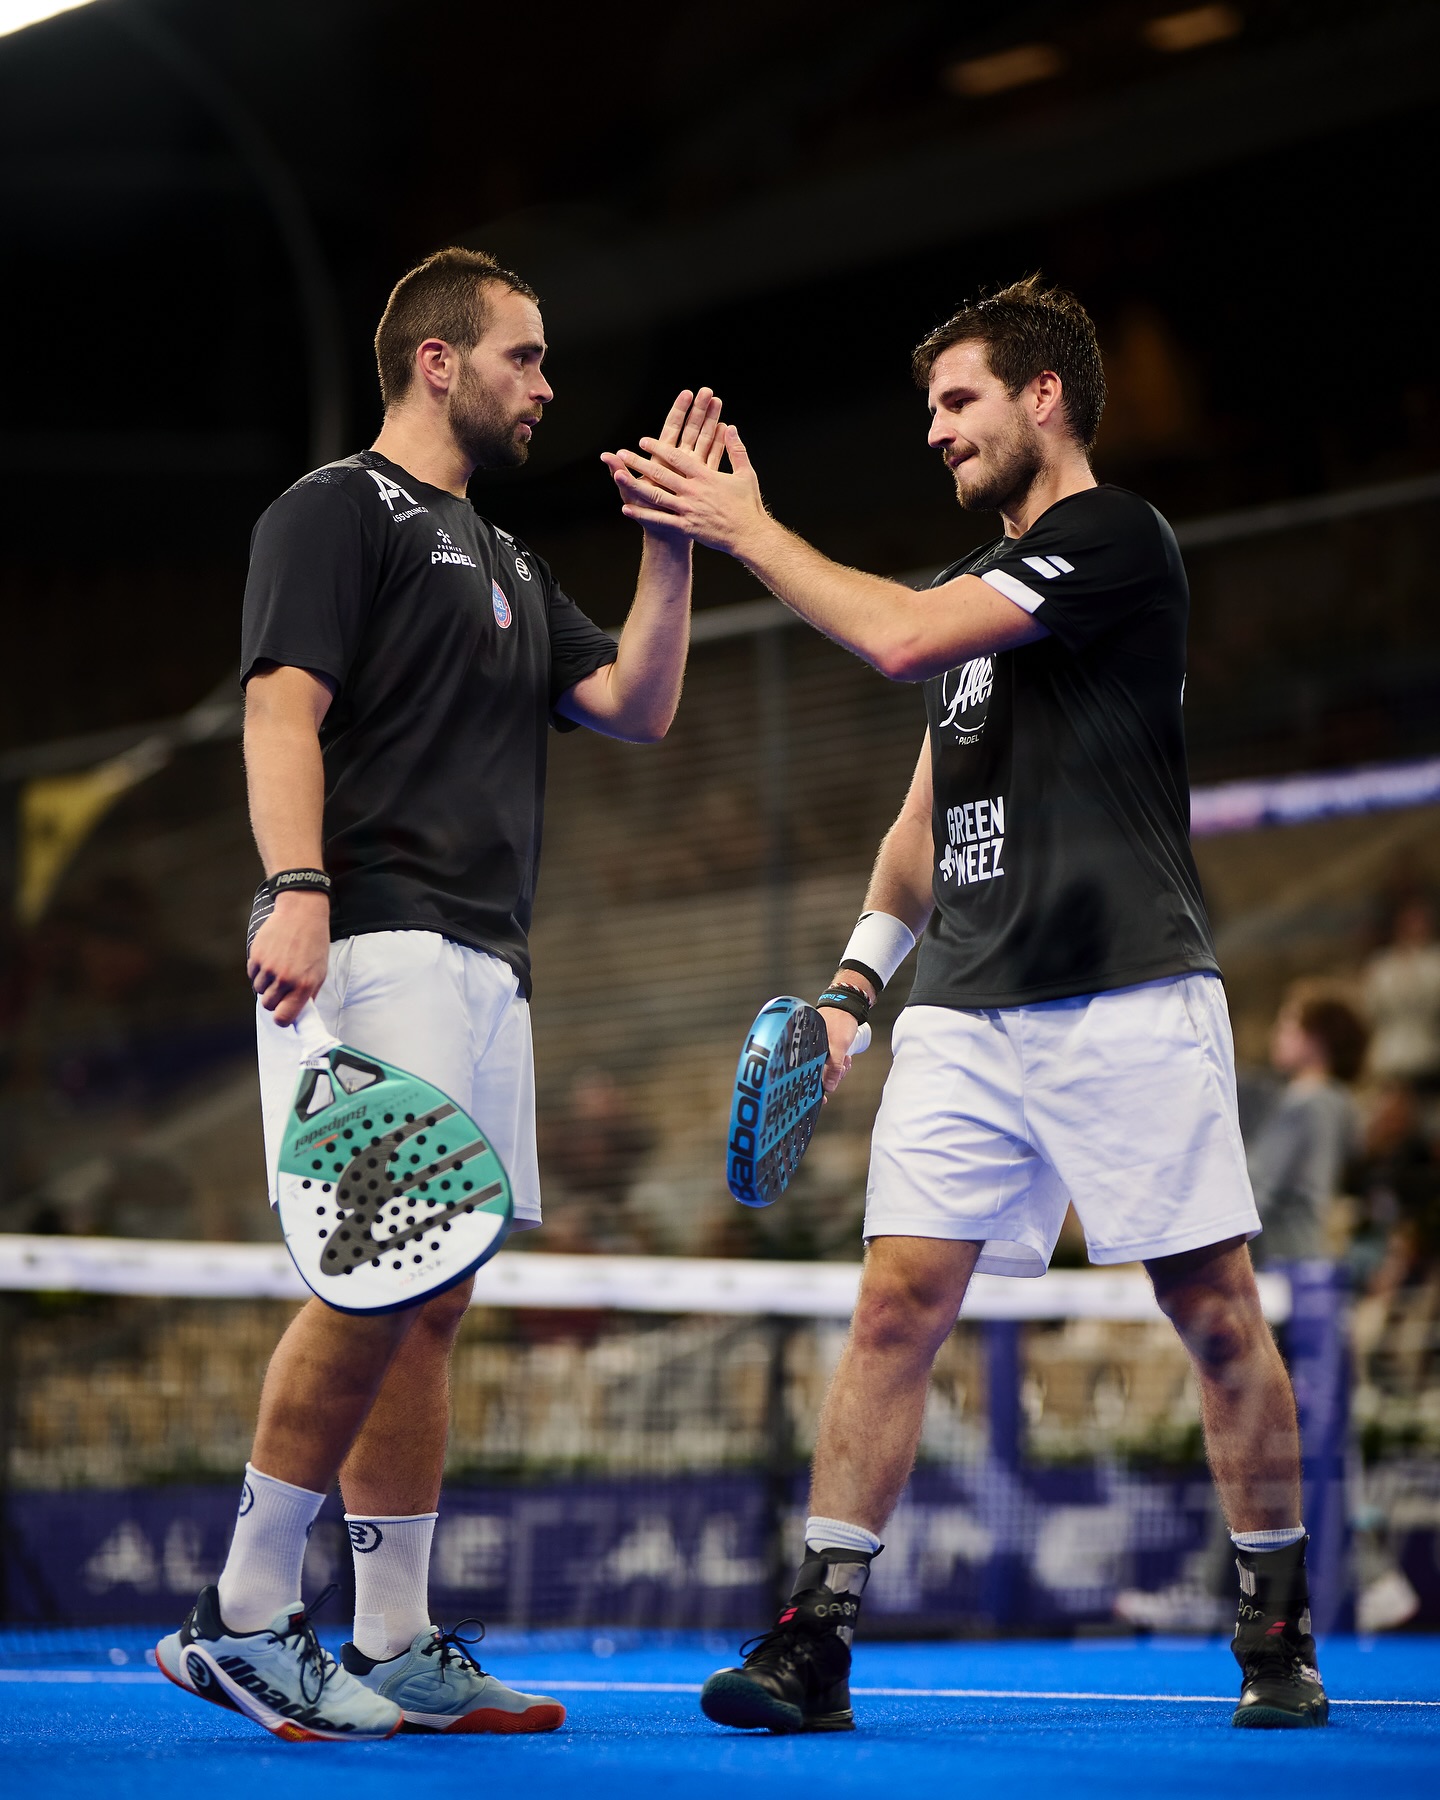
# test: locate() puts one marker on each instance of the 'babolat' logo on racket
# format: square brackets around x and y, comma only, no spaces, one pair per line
[744,1137]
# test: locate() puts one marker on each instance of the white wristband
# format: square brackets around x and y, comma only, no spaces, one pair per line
[878,945]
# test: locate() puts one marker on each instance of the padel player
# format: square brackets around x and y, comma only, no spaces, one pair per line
[1067,1037]
[404,660]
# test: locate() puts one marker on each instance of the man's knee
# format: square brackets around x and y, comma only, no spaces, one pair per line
[1211,1299]
[906,1302]
[441,1316]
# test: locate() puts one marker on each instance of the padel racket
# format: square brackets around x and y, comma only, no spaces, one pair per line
[389,1192]
[778,1095]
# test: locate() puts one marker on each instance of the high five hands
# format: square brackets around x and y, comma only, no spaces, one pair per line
[677,486]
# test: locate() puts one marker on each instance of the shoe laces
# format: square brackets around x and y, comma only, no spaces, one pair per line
[454,1647]
[781,1643]
[316,1664]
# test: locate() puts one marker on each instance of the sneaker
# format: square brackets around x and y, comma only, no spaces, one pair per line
[278,1676]
[1280,1687]
[440,1687]
[796,1676]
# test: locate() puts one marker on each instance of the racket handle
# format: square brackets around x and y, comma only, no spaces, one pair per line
[315,1038]
[862,1041]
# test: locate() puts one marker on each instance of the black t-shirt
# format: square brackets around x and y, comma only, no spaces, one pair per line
[448,644]
[1062,799]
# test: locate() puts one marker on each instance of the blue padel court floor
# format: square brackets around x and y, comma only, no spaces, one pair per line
[82,1712]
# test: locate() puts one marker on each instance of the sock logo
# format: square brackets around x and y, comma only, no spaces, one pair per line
[247,1498]
[364,1536]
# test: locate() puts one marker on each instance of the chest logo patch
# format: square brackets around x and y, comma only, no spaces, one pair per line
[501,605]
[965,698]
[448,551]
[522,568]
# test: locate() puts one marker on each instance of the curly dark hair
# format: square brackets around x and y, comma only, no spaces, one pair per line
[1027,328]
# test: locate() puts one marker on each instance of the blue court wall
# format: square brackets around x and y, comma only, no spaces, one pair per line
[983,1547]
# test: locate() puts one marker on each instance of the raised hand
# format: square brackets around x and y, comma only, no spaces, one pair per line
[675,486]
[692,428]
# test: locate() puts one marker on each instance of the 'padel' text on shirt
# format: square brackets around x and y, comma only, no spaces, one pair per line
[1062,798]
[448,645]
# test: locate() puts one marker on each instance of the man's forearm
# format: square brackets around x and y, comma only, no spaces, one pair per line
[900,884]
[643,683]
[285,774]
[878,620]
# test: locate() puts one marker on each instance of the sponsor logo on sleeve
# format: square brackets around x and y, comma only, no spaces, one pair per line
[1049,566]
[965,699]
[976,842]
[500,604]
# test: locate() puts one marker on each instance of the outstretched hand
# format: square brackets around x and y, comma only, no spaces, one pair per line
[680,487]
[692,427]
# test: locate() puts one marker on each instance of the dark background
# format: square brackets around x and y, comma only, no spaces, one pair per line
[777,200]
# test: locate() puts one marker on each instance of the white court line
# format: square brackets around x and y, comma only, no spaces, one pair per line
[143,1676]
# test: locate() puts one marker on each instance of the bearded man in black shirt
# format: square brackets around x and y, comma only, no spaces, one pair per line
[1067,1038]
[404,661]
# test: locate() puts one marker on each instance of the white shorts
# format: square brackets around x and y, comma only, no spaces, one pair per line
[451,1015]
[1123,1102]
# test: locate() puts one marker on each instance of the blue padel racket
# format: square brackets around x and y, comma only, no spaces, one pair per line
[389,1193]
[778,1096]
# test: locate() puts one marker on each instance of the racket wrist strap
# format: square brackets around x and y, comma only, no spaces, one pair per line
[878,945]
[841,997]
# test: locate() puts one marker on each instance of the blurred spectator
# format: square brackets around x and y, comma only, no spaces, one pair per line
[1402,992]
[1299,1153]
[593,1151]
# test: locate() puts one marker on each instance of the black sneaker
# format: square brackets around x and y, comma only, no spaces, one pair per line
[796,1677]
[1280,1687]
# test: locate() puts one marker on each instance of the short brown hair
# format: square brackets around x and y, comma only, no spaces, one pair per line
[1027,328]
[442,297]
[1324,1011]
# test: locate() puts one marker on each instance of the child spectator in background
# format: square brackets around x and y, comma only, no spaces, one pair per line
[1298,1154]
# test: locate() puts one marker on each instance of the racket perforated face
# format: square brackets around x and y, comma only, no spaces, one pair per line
[388,1192]
[778,1095]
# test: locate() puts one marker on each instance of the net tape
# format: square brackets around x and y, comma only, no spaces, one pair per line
[647,1284]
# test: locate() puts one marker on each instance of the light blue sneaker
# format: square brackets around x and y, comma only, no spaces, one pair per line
[278,1676]
[440,1687]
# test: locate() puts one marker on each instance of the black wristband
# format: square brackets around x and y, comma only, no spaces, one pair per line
[296,880]
[864,969]
[846,999]
[314,881]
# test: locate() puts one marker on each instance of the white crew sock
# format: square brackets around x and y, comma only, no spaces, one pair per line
[834,1534]
[392,1580]
[1281,1539]
[262,1571]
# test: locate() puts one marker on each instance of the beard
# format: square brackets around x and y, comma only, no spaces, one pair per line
[1009,470]
[485,432]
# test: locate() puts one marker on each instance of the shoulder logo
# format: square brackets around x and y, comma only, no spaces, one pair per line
[965,698]
[448,551]
[391,491]
[522,568]
[500,604]
[1049,566]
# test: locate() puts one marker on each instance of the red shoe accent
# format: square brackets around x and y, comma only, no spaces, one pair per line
[549,1717]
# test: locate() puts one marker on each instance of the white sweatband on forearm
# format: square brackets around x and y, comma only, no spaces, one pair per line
[878,945]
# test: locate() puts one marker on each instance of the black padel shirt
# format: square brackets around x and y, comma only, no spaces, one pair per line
[448,644]
[1062,799]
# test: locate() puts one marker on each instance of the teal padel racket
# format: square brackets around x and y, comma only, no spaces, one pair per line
[389,1193]
[777,1099]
